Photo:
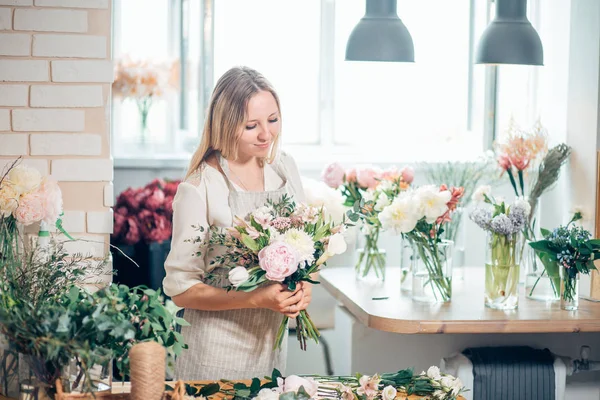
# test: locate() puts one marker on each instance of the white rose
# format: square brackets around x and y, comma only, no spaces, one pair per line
[401,216]
[389,393]
[382,202]
[267,394]
[238,275]
[337,244]
[480,192]
[369,195]
[24,179]
[293,382]
[457,386]
[434,373]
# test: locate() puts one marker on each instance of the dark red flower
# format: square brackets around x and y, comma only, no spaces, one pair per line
[155,200]
[156,184]
[154,227]
[133,231]
[171,187]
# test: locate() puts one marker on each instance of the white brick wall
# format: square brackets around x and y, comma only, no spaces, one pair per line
[15,44]
[48,120]
[16,2]
[13,144]
[73,3]
[73,221]
[84,46]
[100,221]
[85,244]
[4,120]
[5,18]
[109,195]
[65,144]
[40,165]
[82,71]
[82,170]
[51,20]
[66,96]
[14,95]
[23,70]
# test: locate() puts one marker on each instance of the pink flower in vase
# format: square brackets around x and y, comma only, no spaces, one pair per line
[30,209]
[391,174]
[351,175]
[53,204]
[368,177]
[155,200]
[504,162]
[333,175]
[133,232]
[408,175]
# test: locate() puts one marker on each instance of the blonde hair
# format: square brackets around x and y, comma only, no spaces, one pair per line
[227,113]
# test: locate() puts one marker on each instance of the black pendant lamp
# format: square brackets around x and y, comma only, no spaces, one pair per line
[510,38]
[380,35]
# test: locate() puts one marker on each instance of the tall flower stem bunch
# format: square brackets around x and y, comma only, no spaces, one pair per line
[280,242]
[368,190]
[421,216]
[571,247]
[144,82]
[503,223]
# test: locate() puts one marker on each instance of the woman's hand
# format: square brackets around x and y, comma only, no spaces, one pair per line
[307,295]
[278,298]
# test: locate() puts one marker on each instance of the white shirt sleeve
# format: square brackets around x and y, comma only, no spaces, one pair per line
[184,268]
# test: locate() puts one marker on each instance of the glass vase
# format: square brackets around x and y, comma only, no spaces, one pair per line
[406,257]
[542,281]
[371,262]
[569,289]
[502,271]
[432,270]
[455,231]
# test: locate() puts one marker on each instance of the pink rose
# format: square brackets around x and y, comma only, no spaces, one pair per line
[408,174]
[30,209]
[368,177]
[333,175]
[53,204]
[155,200]
[279,260]
[351,175]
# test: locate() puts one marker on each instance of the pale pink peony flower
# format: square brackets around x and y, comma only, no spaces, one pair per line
[351,175]
[390,174]
[279,260]
[30,209]
[333,175]
[368,177]
[53,204]
[408,174]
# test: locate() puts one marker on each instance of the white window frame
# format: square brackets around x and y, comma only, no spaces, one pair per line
[314,156]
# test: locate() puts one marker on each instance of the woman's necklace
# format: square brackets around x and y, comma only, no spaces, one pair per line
[262,170]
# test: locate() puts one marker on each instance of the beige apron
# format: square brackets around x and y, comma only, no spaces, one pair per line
[235,344]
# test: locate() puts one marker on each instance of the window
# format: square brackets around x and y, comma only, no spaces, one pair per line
[441,107]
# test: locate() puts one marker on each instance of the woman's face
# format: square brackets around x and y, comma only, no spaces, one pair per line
[261,128]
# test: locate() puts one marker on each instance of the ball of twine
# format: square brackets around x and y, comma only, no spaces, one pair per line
[147,371]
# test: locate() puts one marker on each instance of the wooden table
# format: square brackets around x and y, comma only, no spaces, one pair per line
[465,313]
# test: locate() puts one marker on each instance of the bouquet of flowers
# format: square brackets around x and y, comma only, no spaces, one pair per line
[503,224]
[572,248]
[368,190]
[144,214]
[144,82]
[280,242]
[421,215]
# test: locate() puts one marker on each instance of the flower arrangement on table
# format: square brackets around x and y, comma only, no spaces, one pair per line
[368,190]
[524,156]
[144,82]
[504,223]
[420,215]
[281,242]
[571,248]
[432,384]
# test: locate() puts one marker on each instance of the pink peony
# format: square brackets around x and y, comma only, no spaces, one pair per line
[169,206]
[171,188]
[156,184]
[133,232]
[368,177]
[408,174]
[279,260]
[30,209]
[53,204]
[131,198]
[333,175]
[154,200]
[120,224]
[350,175]
[154,227]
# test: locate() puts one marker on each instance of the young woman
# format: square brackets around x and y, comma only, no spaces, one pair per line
[235,170]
